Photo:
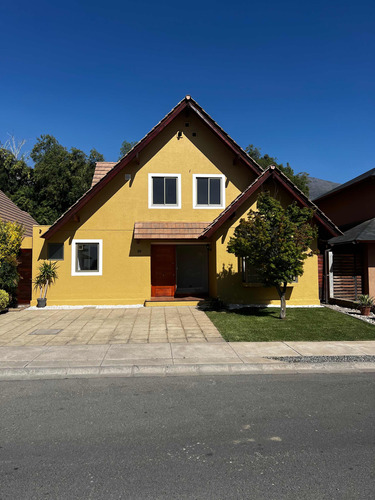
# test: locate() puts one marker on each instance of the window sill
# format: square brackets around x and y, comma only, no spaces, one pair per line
[210,207]
[163,207]
[255,285]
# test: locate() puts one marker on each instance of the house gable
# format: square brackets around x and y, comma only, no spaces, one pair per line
[181,125]
[274,174]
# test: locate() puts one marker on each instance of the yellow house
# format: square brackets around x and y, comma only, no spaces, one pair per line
[154,227]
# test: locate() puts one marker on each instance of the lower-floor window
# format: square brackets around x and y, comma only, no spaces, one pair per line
[250,274]
[86,257]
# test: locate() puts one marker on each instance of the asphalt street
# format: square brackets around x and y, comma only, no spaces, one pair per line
[241,437]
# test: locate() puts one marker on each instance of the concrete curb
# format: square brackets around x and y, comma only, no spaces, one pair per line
[182,370]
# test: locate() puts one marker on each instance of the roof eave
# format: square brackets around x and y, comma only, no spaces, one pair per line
[288,184]
[131,155]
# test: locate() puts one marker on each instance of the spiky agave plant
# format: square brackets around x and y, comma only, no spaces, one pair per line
[47,276]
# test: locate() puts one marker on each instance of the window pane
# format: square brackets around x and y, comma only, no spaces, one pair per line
[170,191]
[158,190]
[215,191]
[87,256]
[55,251]
[202,190]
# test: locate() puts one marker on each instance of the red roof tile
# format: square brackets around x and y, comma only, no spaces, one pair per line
[168,230]
[9,212]
[101,169]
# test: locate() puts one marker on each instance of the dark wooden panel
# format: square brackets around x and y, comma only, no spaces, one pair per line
[24,269]
[347,276]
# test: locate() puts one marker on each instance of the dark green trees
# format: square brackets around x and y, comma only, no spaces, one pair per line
[300,180]
[58,179]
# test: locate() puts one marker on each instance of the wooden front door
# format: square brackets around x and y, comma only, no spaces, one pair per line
[163,270]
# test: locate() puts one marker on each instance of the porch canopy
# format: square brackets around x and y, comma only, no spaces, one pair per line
[364,232]
[169,230]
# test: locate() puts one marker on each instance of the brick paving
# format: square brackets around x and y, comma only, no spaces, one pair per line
[91,326]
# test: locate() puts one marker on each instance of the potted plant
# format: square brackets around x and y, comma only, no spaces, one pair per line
[47,276]
[365,302]
[4,301]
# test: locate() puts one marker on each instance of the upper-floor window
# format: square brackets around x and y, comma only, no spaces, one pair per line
[164,190]
[208,191]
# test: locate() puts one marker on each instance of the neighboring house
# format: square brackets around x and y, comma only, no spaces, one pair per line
[154,226]
[318,187]
[9,212]
[351,259]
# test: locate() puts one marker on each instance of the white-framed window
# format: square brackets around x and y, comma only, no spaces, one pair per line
[164,190]
[87,257]
[208,191]
[250,275]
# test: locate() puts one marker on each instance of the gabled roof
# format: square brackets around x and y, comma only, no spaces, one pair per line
[275,173]
[361,233]
[186,104]
[9,212]
[369,175]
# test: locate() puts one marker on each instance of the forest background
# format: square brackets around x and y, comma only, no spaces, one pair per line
[46,181]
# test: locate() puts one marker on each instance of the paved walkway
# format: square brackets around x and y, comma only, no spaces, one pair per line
[94,342]
[174,353]
[91,326]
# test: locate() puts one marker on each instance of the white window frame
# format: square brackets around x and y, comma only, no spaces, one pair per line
[222,191]
[178,189]
[99,272]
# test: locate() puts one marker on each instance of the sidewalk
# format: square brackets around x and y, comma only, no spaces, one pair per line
[162,359]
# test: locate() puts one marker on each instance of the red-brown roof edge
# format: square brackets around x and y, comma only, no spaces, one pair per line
[288,184]
[187,101]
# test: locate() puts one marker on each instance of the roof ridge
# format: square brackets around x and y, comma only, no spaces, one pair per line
[187,101]
[355,180]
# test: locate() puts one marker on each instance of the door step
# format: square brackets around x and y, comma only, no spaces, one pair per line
[173,301]
[168,303]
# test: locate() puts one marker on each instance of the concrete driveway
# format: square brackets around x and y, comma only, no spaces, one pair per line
[92,326]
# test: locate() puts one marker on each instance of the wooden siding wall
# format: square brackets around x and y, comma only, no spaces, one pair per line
[24,269]
[347,276]
[320,275]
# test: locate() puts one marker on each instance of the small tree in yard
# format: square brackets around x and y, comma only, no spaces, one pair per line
[276,241]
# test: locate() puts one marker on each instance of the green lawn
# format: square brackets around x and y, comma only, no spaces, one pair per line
[263,325]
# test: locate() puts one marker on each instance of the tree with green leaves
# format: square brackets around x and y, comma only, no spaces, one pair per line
[11,235]
[15,174]
[301,180]
[60,177]
[126,147]
[276,241]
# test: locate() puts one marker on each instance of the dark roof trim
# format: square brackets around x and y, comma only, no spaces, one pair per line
[361,233]
[367,175]
[236,203]
[271,171]
[187,102]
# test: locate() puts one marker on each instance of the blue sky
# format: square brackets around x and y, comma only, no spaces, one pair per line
[294,78]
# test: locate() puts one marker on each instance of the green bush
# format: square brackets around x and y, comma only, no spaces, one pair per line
[4,299]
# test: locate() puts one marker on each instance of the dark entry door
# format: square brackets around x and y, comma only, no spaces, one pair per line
[163,270]
[192,269]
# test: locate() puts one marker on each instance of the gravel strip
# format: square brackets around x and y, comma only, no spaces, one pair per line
[354,313]
[324,359]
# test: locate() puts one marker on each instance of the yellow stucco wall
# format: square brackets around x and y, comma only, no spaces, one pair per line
[111,215]
[27,242]
[229,274]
